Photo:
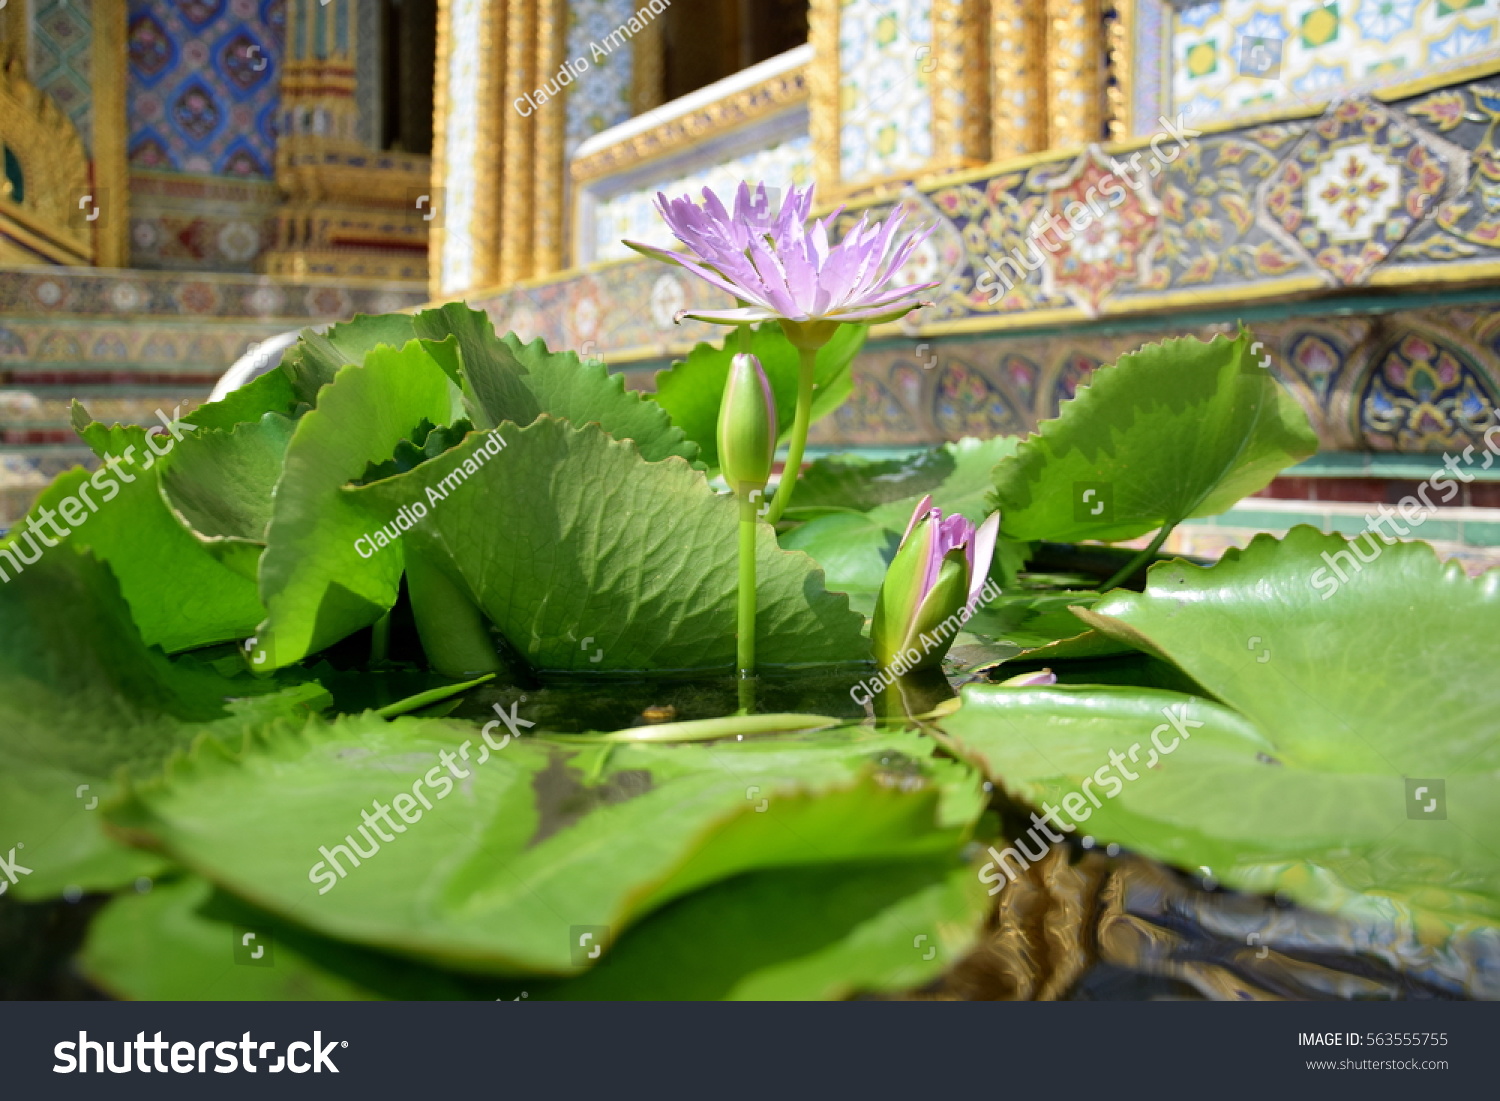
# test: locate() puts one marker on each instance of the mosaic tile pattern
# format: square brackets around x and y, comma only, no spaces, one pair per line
[1210,222]
[124,295]
[1354,187]
[1228,55]
[1467,224]
[1408,381]
[196,223]
[62,38]
[367,73]
[600,97]
[203,85]
[631,215]
[885,95]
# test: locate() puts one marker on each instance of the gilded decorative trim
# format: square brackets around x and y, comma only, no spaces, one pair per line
[483,148]
[1018,67]
[648,68]
[769,97]
[111,131]
[549,189]
[437,235]
[1074,68]
[518,156]
[823,93]
[1118,89]
[15,32]
[55,167]
[960,90]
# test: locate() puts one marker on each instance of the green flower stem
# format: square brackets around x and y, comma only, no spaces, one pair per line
[1128,570]
[380,639]
[808,360]
[747,588]
[430,697]
[707,730]
[454,634]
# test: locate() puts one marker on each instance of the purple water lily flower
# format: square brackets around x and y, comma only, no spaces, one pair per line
[932,586]
[784,268]
[1032,680]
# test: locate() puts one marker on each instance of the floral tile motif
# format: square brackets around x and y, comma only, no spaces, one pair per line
[1473,217]
[603,99]
[62,38]
[203,83]
[1108,244]
[1429,386]
[1324,45]
[885,95]
[1353,189]
[1427,393]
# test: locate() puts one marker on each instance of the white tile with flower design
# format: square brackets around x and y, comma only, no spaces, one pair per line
[1309,49]
[885,94]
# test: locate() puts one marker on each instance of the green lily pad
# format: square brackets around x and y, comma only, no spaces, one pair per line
[852,482]
[829,931]
[271,392]
[1175,430]
[1304,780]
[80,696]
[317,358]
[692,389]
[180,594]
[567,535]
[317,586]
[1040,625]
[220,485]
[506,380]
[536,837]
[177,943]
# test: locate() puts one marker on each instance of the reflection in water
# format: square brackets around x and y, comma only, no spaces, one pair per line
[1101,927]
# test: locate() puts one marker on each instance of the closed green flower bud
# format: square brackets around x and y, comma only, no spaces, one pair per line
[931,587]
[747,427]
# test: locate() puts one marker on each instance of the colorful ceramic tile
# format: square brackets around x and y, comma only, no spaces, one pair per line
[1355,186]
[1321,47]
[1103,234]
[61,40]
[885,94]
[600,97]
[203,81]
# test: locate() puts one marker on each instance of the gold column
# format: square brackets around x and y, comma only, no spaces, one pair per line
[519,143]
[1122,67]
[648,68]
[1075,54]
[15,32]
[548,230]
[960,88]
[1018,56]
[110,132]
[482,148]
[823,93]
